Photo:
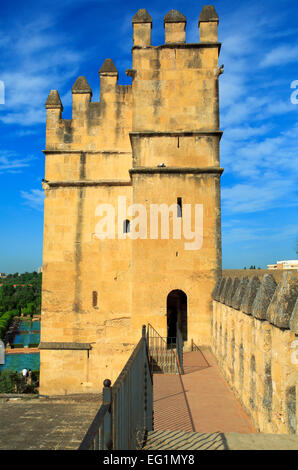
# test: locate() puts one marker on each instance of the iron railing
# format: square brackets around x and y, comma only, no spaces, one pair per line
[165,353]
[193,346]
[126,414]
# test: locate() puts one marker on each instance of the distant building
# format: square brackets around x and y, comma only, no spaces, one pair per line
[39,270]
[3,275]
[288,264]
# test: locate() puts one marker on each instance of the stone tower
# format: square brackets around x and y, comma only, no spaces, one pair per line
[154,142]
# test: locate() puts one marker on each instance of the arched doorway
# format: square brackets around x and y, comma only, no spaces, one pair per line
[176,315]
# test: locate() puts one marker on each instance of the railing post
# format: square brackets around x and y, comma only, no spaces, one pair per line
[106,431]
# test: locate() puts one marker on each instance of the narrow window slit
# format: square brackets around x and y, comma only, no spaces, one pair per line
[94,298]
[179,207]
[126,226]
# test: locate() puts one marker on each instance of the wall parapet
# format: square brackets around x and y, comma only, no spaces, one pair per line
[254,339]
[264,300]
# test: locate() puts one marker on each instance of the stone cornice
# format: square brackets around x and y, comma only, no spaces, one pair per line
[176,170]
[196,45]
[202,133]
[95,152]
[86,183]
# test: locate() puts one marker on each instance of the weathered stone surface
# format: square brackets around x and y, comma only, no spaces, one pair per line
[53,100]
[221,287]
[142,16]
[294,319]
[264,370]
[239,293]
[81,86]
[108,67]
[291,409]
[250,295]
[225,290]
[231,292]
[46,424]
[216,290]
[174,16]
[263,297]
[208,13]
[283,301]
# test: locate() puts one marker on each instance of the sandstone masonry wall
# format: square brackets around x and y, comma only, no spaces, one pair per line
[254,338]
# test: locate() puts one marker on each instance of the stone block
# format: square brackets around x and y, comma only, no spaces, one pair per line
[225,290]
[283,301]
[215,292]
[263,297]
[239,293]
[294,319]
[221,287]
[231,292]
[250,295]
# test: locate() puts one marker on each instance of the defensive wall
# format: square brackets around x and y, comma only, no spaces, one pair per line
[254,338]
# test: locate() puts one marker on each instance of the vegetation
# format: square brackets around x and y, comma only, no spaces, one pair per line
[20,294]
[13,382]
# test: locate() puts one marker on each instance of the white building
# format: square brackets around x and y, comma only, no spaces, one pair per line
[288,264]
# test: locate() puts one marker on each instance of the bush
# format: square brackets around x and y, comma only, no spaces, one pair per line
[33,345]
[5,321]
[13,382]
[10,382]
[29,389]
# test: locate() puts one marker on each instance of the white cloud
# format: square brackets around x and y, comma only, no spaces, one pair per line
[259,195]
[45,61]
[11,162]
[34,198]
[258,153]
[281,55]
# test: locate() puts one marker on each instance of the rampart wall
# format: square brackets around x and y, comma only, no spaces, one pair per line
[254,338]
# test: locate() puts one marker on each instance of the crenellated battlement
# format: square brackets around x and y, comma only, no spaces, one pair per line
[262,299]
[91,121]
[175,25]
[158,99]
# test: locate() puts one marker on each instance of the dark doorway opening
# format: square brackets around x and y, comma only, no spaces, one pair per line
[176,315]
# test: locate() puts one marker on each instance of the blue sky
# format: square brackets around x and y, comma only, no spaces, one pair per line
[46,44]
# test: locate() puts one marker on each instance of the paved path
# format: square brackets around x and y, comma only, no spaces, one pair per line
[201,401]
[180,440]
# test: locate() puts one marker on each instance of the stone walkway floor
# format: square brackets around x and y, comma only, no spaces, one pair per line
[200,401]
[46,424]
[180,440]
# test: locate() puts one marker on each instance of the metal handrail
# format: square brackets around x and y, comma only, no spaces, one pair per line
[93,435]
[194,347]
[126,414]
[162,358]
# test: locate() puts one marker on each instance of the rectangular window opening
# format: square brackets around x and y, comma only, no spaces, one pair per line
[179,207]
[94,298]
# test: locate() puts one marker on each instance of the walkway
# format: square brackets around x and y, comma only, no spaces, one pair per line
[180,440]
[198,411]
[200,401]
